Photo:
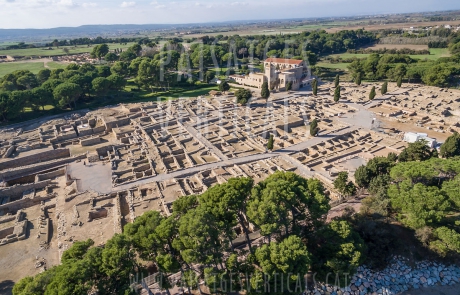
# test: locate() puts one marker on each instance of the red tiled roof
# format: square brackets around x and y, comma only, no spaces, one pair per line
[284,61]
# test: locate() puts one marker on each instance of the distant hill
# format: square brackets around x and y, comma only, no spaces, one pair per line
[24,35]
[72,32]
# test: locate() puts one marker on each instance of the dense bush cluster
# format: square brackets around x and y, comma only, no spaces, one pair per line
[441,72]
[420,190]
[60,88]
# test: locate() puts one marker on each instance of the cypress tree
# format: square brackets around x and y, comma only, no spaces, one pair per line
[315,87]
[270,143]
[337,94]
[358,79]
[399,82]
[265,93]
[384,89]
[337,81]
[372,93]
[314,127]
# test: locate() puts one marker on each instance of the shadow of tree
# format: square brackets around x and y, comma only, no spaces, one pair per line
[6,287]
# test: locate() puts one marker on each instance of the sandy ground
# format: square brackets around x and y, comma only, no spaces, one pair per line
[340,209]
[44,60]
[95,176]
[17,259]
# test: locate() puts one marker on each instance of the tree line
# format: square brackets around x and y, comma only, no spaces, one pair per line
[61,88]
[286,209]
[292,45]
[90,41]
[441,72]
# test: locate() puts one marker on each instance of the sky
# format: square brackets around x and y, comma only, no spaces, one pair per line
[60,13]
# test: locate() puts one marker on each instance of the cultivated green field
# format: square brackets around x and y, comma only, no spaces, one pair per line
[7,68]
[56,65]
[7,43]
[34,67]
[435,53]
[57,51]
[340,66]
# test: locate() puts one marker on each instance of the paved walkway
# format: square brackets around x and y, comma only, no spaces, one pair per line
[205,142]
[95,176]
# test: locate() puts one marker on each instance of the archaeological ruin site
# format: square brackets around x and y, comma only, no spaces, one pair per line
[88,174]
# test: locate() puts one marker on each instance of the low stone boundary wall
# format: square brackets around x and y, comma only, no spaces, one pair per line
[19,189]
[117,216]
[25,203]
[90,141]
[50,175]
[35,158]
[396,278]
[30,169]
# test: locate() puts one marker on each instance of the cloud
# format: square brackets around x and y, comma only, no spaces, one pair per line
[238,3]
[24,4]
[128,4]
[157,5]
[65,3]
[89,4]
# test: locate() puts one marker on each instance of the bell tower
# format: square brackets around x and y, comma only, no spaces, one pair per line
[270,74]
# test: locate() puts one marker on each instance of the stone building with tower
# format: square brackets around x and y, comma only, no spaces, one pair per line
[278,72]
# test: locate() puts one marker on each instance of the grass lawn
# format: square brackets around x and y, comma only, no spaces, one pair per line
[52,65]
[47,108]
[144,95]
[34,67]
[350,55]
[43,52]
[341,66]
[435,53]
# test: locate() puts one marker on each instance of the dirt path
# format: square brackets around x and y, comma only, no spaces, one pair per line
[44,60]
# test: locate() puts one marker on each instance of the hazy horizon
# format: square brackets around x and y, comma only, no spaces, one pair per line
[42,14]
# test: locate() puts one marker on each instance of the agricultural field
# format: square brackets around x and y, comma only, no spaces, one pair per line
[330,27]
[381,26]
[7,43]
[34,66]
[7,68]
[262,30]
[397,46]
[435,53]
[56,65]
[57,51]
